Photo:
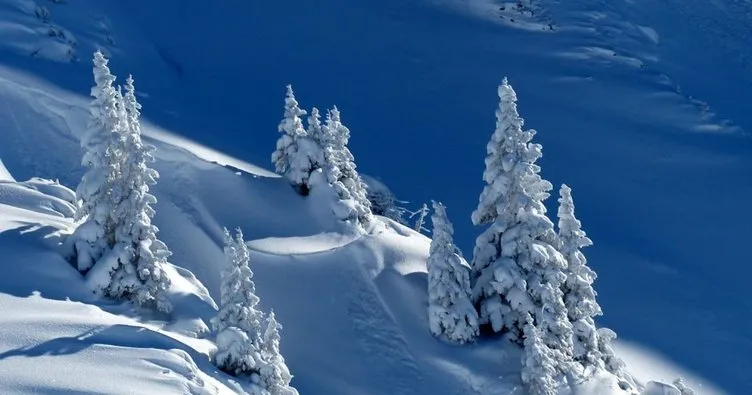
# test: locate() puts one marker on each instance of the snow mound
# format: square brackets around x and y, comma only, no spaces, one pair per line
[301,245]
[39,195]
[657,388]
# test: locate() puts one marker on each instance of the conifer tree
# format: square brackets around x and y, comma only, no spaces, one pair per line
[297,155]
[539,365]
[517,269]
[139,274]
[451,315]
[315,128]
[238,322]
[579,295]
[95,236]
[343,176]
[275,376]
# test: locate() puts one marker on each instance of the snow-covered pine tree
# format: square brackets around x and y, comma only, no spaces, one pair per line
[451,315]
[421,214]
[275,376]
[297,155]
[539,364]
[141,257]
[238,322]
[315,128]
[579,295]
[344,176]
[516,268]
[95,236]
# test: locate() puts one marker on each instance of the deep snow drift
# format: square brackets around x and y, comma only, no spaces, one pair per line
[646,130]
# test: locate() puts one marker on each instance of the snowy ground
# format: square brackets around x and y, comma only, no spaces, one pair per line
[641,107]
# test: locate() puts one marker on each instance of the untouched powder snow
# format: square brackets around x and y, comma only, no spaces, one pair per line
[633,106]
[301,245]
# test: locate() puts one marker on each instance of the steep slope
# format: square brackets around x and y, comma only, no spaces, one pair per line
[631,100]
[327,286]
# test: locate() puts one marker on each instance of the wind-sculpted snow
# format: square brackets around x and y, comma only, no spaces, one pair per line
[642,107]
[301,245]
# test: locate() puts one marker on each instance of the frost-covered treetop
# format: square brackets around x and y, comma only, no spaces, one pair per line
[511,175]
[103,91]
[315,128]
[340,132]
[292,124]
[443,229]
[132,106]
[570,228]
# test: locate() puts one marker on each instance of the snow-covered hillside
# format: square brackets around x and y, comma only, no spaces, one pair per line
[641,106]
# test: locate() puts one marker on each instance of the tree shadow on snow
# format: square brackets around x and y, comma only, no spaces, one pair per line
[33,265]
[187,361]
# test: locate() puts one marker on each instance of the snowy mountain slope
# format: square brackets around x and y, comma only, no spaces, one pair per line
[615,84]
[353,307]
[343,340]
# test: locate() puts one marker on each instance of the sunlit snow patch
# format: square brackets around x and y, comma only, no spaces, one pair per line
[646,366]
[301,245]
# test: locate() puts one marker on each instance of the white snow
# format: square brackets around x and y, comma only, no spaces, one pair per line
[647,365]
[353,307]
[313,244]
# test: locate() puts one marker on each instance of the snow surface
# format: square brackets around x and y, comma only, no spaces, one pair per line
[641,106]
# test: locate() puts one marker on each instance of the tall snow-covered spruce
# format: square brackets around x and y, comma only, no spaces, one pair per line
[539,363]
[141,257]
[238,322]
[116,244]
[592,346]
[343,176]
[95,236]
[297,154]
[451,315]
[579,295]
[275,376]
[517,269]
[247,342]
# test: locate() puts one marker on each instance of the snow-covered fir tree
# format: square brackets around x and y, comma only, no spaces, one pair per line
[238,323]
[247,343]
[275,376]
[138,273]
[517,269]
[451,315]
[539,364]
[343,176]
[95,236]
[579,295]
[592,346]
[297,155]
[315,129]
[420,218]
